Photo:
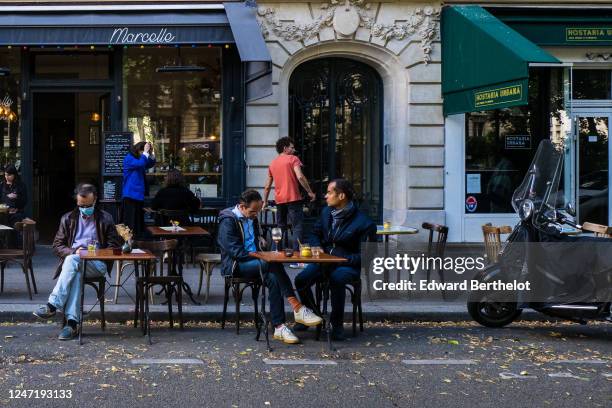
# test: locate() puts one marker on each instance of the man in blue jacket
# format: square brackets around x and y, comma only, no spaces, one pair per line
[339,231]
[238,236]
[135,163]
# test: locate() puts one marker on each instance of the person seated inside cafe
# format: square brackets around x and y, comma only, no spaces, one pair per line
[175,196]
[78,228]
[339,231]
[13,194]
[239,235]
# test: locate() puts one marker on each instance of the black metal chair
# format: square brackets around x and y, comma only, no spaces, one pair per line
[171,283]
[436,247]
[238,286]
[98,283]
[354,290]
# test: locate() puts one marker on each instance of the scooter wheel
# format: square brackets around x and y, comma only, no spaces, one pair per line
[493,314]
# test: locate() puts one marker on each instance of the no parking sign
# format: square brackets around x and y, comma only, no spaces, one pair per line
[471,203]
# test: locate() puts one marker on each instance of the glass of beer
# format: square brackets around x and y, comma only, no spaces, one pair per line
[92,245]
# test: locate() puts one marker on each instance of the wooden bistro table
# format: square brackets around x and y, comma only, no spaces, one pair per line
[180,234]
[279,257]
[108,254]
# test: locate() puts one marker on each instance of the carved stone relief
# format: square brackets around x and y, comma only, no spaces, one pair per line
[347,16]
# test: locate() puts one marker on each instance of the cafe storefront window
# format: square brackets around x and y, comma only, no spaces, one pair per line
[10,108]
[501,143]
[178,110]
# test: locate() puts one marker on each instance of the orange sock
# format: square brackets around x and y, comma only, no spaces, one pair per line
[295,303]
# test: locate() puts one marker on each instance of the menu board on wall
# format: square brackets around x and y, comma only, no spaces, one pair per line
[112,188]
[116,146]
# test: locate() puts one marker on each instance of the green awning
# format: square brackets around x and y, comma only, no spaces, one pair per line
[485,63]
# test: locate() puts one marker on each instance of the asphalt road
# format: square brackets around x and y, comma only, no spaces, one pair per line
[528,364]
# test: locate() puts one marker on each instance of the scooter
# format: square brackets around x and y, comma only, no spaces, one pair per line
[572,274]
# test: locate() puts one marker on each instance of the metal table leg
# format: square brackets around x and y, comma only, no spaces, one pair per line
[326,317]
[179,268]
[264,318]
[82,295]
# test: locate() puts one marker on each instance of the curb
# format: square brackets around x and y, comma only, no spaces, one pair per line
[22,313]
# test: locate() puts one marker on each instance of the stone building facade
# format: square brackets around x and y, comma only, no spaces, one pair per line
[398,39]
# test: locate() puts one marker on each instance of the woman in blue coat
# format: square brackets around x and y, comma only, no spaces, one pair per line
[135,164]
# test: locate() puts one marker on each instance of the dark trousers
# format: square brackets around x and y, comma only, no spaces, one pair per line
[276,280]
[291,213]
[132,215]
[338,278]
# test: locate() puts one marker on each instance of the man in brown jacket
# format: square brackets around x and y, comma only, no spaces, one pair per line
[84,225]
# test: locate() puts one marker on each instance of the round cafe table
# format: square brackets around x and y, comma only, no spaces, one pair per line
[386,233]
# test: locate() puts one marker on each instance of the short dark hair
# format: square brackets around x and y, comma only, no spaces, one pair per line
[11,169]
[137,148]
[248,196]
[344,186]
[282,143]
[174,178]
[85,189]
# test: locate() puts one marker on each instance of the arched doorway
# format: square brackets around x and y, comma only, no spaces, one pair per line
[335,118]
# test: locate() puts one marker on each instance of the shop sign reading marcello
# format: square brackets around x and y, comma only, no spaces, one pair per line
[124,35]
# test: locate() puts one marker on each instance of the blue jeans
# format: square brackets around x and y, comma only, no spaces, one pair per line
[292,213]
[338,278]
[276,280]
[66,295]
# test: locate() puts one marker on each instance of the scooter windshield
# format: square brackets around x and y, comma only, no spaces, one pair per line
[541,183]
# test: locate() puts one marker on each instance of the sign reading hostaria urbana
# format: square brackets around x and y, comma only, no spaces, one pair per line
[588,34]
[498,96]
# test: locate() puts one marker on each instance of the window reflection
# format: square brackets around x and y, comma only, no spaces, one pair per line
[179,112]
[10,106]
[591,83]
[501,143]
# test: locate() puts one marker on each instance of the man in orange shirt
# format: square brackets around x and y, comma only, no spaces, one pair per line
[286,173]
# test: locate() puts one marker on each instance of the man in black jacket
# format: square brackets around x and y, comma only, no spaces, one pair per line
[238,236]
[339,231]
[77,229]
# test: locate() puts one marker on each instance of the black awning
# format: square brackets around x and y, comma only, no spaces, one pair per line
[252,48]
[113,28]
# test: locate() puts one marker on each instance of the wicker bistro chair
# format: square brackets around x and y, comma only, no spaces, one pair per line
[237,287]
[492,240]
[599,230]
[22,256]
[171,283]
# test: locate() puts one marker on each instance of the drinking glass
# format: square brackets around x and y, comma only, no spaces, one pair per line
[316,251]
[277,235]
[92,244]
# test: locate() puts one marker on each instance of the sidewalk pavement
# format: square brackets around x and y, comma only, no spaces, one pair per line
[16,306]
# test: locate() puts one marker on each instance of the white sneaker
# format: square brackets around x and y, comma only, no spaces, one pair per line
[307,317]
[284,334]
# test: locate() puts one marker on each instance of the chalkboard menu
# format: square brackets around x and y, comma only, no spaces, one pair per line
[112,188]
[116,147]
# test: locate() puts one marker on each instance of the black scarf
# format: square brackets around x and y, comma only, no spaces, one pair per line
[340,214]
